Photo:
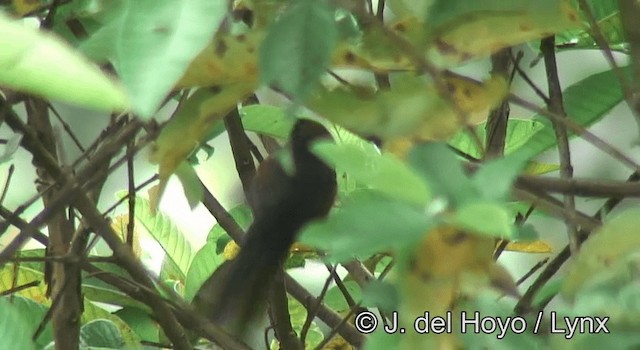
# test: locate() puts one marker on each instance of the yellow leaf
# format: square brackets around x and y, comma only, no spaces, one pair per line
[192,123]
[119,225]
[539,247]
[413,107]
[228,59]
[231,250]
[482,28]
[614,241]
[539,168]
[9,280]
[23,7]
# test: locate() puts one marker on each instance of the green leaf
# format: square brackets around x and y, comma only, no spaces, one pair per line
[381,340]
[549,290]
[381,295]
[101,333]
[108,295]
[519,131]
[191,184]
[141,323]
[157,41]
[241,214]
[487,306]
[585,102]
[335,300]
[170,273]
[494,178]
[92,312]
[33,313]
[15,328]
[165,232]
[37,266]
[267,120]
[605,252]
[383,173]
[41,64]
[366,223]
[539,168]
[443,172]
[607,16]
[487,218]
[298,315]
[206,261]
[298,48]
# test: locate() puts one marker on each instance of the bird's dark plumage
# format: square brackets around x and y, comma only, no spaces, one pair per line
[282,203]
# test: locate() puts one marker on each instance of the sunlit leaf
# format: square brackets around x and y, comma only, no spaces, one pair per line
[166,233]
[539,168]
[11,278]
[267,120]
[383,173]
[539,247]
[157,41]
[206,260]
[39,63]
[586,102]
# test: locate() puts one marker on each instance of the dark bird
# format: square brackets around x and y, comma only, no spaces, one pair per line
[282,203]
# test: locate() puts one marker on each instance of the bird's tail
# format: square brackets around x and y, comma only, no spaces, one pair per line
[239,288]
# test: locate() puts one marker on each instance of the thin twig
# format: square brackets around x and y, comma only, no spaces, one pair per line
[131,195]
[525,76]
[20,288]
[496,127]
[66,127]
[5,189]
[312,309]
[556,105]
[578,130]
[533,270]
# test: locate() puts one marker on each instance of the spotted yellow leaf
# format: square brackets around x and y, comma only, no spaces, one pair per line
[191,124]
[461,29]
